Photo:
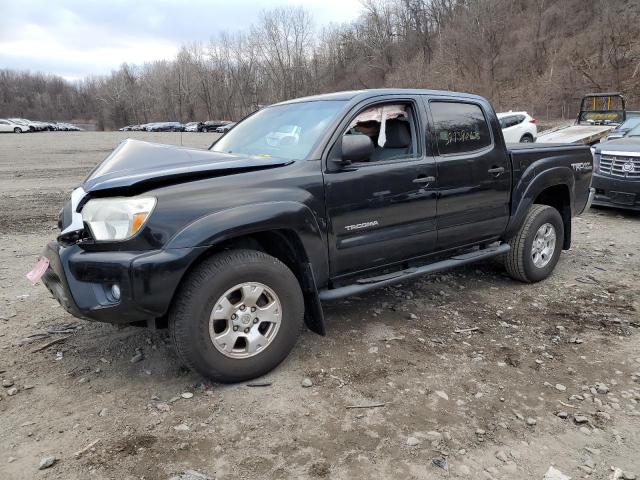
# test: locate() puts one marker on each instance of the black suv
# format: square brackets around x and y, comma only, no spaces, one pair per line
[617,172]
[306,201]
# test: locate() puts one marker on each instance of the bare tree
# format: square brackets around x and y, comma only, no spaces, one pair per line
[539,55]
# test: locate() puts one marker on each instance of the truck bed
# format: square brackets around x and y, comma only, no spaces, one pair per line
[550,155]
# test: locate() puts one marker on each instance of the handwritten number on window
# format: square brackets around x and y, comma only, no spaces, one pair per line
[460,136]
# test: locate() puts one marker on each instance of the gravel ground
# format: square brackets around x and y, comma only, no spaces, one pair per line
[476,376]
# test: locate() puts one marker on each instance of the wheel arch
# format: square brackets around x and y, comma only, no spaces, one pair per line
[285,230]
[527,135]
[559,197]
[553,187]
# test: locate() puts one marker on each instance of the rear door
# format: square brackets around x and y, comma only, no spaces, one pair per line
[473,170]
[382,211]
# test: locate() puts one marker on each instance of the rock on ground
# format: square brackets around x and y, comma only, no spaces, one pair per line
[555,474]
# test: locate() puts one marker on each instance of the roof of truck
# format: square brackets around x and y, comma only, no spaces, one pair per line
[376,92]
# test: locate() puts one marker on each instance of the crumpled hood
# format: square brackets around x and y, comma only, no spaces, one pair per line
[135,163]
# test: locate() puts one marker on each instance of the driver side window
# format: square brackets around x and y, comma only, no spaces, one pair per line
[391,128]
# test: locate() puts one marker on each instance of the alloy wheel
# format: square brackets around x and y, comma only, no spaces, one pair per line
[544,244]
[245,320]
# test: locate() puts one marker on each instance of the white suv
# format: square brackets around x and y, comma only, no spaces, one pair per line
[518,127]
[9,126]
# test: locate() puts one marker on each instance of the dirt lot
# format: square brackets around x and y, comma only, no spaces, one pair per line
[474,369]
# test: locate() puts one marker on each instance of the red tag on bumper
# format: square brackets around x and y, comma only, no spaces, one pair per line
[37,272]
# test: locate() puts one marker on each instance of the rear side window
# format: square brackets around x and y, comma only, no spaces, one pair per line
[511,121]
[459,127]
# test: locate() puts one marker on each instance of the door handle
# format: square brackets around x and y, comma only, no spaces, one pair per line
[424,179]
[497,171]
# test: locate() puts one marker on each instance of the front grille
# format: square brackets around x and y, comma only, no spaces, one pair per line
[620,166]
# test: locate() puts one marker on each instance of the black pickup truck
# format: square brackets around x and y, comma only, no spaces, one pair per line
[306,201]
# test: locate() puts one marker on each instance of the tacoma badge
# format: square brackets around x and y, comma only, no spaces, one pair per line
[359,226]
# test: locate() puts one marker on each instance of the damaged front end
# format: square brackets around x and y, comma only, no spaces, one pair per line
[70,219]
[107,264]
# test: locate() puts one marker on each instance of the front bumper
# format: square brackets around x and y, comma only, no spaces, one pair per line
[616,192]
[82,280]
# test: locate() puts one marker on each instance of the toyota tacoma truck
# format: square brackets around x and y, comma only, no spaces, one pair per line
[235,248]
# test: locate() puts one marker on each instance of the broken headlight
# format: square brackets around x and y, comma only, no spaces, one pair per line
[117,218]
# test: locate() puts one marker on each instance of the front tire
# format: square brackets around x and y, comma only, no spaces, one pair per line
[536,248]
[237,316]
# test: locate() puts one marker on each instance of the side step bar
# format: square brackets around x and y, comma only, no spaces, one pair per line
[366,284]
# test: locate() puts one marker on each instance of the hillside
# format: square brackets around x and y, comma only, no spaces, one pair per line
[540,56]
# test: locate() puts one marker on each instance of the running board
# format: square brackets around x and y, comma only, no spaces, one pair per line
[366,284]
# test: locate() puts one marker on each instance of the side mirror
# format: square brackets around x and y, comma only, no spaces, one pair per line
[356,148]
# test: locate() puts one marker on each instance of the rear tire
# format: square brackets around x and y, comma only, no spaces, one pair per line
[536,248]
[207,320]
[17,130]
[526,138]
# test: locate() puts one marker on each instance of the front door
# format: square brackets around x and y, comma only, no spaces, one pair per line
[474,173]
[383,211]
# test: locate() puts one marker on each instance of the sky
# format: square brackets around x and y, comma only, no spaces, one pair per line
[79,38]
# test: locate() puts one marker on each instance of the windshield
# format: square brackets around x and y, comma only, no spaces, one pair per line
[284,131]
[629,124]
[635,132]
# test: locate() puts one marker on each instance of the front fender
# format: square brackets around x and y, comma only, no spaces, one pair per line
[531,185]
[235,222]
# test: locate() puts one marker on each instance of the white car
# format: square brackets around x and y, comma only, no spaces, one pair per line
[518,127]
[225,128]
[23,121]
[9,126]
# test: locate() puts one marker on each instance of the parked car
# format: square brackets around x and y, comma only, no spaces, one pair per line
[44,126]
[193,127]
[518,127]
[68,127]
[234,247]
[225,128]
[7,125]
[27,123]
[211,125]
[622,129]
[165,127]
[616,177]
